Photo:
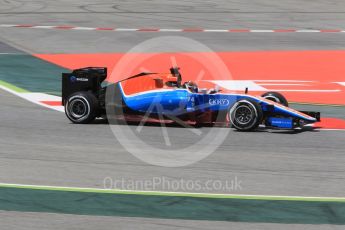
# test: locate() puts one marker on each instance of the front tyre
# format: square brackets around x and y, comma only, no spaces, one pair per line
[81,107]
[246,115]
[276,97]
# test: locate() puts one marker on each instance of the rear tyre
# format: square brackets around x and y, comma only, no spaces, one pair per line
[276,97]
[81,107]
[245,115]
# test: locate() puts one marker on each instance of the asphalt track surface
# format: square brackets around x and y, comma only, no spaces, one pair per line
[29,220]
[39,146]
[165,14]
[59,153]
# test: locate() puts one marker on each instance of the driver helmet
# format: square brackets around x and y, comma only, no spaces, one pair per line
[192,86]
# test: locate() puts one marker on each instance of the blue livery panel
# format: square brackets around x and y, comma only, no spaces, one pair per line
[283,123]
[181,101]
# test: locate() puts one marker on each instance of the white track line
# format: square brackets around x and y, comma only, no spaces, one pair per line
[214,195]
[308,31]
[57,27]
[36,98]
[125,29]
[340,83]
[262,31]
[308,90]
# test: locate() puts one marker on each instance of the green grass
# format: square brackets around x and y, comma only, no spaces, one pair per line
[28,73]
[99,202]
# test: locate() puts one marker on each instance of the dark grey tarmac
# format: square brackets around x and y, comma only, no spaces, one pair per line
[40,146]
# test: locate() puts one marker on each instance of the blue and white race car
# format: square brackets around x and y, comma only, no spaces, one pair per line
[163,96]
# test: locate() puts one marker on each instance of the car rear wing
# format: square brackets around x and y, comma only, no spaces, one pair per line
[84,79]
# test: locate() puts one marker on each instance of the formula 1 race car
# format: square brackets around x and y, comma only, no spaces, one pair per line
[85,97]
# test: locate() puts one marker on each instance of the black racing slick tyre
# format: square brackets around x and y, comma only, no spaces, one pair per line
[245,115]
[276,97]
[81,107]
